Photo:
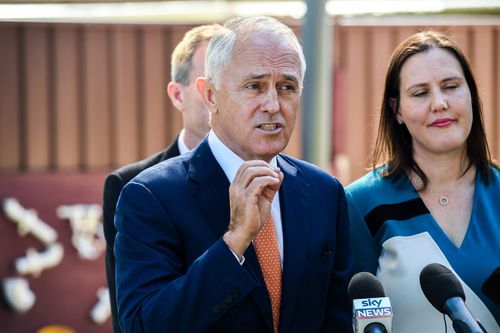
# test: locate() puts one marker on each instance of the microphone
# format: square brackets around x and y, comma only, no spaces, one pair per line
[491,287]
[444,291]
[371,310]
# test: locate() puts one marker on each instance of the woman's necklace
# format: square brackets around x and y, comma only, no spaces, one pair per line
[443,198]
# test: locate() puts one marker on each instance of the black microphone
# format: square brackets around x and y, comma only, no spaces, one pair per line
[371,310]
[444,291]
[491,287]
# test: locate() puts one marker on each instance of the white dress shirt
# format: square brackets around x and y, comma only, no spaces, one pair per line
[230,163]
[181,144]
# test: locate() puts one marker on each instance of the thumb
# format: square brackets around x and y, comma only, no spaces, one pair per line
[281,176]
[270,191]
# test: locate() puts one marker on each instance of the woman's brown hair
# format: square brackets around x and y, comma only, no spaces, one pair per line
[394,143]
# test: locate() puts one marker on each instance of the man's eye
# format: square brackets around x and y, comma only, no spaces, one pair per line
[287,87]
[252,86]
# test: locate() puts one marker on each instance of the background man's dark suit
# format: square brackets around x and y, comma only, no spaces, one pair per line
[112,188]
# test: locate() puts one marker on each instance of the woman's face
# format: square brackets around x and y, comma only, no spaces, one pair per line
[435,103]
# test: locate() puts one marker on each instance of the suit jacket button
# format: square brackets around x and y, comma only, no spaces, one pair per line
[216,309]
[228,299]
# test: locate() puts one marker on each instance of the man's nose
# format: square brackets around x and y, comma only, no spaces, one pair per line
[271,102]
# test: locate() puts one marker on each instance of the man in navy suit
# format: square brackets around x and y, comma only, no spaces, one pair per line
[185,249]
[188,63]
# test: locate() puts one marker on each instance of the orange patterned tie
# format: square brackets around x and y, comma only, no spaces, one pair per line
[266,247]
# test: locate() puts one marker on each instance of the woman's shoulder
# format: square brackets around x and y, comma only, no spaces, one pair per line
[495,173]
[374,189]
[373,180]
[493,181]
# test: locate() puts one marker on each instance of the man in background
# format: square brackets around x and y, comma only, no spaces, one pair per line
[188,62]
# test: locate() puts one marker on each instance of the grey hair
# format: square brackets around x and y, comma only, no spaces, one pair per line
[222,43]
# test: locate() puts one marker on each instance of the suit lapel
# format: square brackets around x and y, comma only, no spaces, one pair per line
[294,204]
[259,294]
[210,188]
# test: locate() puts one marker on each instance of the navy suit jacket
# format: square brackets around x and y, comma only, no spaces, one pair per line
[174,273]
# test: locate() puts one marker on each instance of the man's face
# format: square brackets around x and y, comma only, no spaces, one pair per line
[259,98]
[195,113]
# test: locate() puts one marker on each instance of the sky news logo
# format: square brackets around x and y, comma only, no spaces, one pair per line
[367,308]
[373,313]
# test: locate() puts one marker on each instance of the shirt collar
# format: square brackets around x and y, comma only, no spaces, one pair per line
[181,144]
[227,159]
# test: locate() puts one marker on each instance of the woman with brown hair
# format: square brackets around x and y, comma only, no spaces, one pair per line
[435,197]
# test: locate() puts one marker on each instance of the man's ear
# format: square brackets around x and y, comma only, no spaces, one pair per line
[393,103]
[175,94]
[206,89]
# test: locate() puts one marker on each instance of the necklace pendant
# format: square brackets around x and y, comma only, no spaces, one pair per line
[443,201]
